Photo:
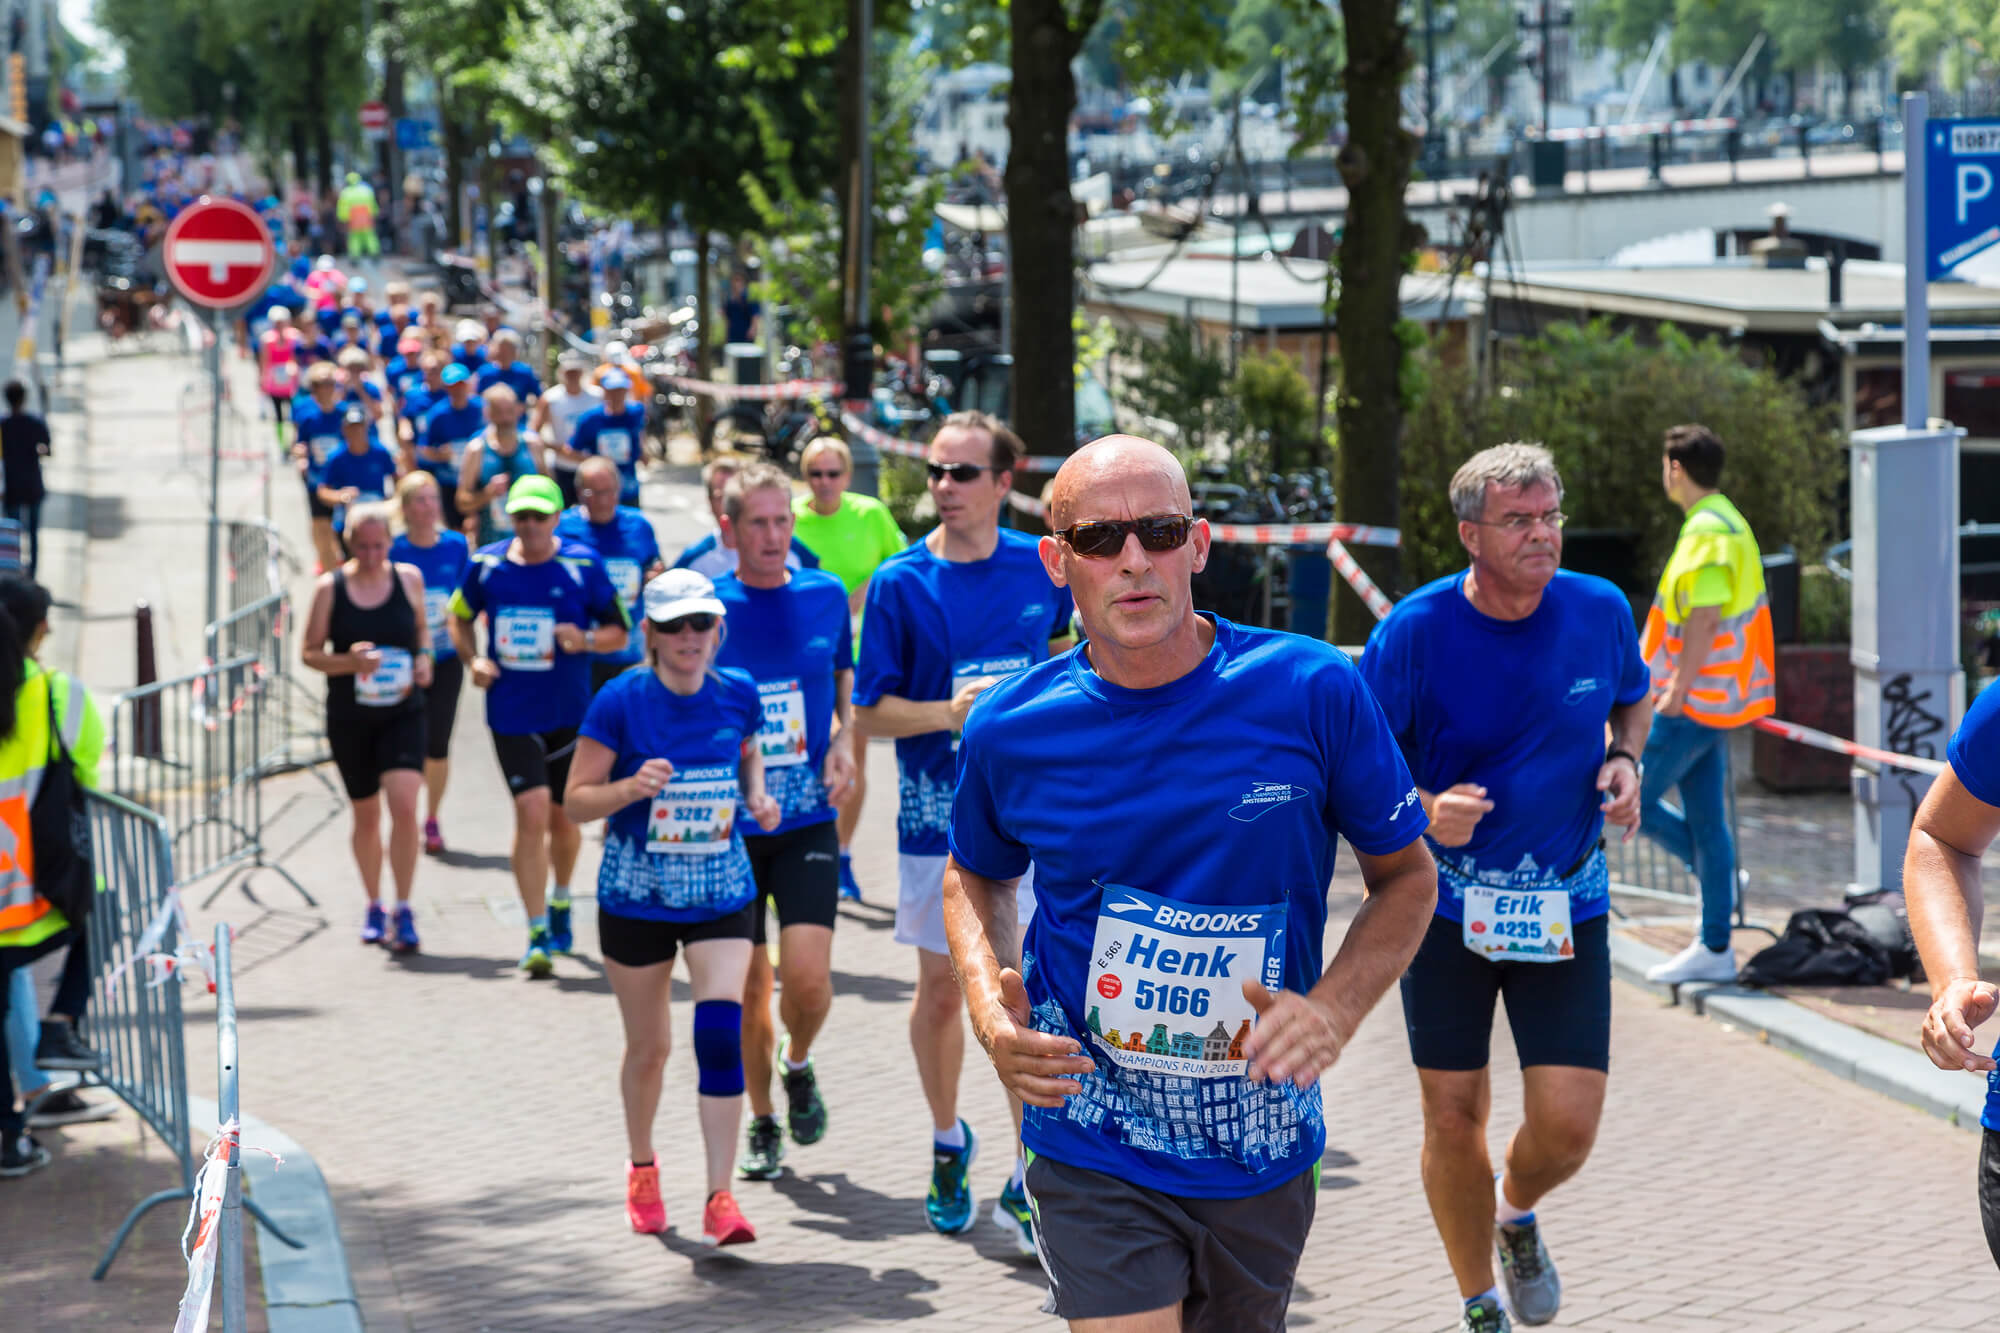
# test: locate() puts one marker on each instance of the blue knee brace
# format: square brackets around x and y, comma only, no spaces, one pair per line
[718,1047]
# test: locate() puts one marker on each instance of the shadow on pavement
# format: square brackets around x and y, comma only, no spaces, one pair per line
[837,1290]
[850,1211]
[483,968]
[1333,1159]
[868,916]
[475,860]
[873,989]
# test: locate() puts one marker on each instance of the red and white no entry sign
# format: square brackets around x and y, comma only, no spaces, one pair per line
[374,117]
[218,253]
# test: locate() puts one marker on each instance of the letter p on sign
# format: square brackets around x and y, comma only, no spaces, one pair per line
[1974,183]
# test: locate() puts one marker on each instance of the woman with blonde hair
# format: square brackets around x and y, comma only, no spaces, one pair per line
[440,555]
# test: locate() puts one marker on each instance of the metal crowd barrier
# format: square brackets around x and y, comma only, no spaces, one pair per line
[192,750]
[260,622]
[1642,868]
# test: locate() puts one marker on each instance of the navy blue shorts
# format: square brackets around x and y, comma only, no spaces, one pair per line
[1560,1012]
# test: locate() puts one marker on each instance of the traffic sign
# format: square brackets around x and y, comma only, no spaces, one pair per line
[374,119]
[218,253]
[1962,167]
[413,133]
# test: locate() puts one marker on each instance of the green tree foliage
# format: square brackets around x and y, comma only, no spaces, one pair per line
[1963,36]
[1179,381]
[1275,405]
[1600,401]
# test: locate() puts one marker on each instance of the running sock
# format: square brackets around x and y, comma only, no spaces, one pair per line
[796,1065]
[1492,1293]
[560,897]
[643,1165]
[536,923]
[1504,1211]
[1018,1181]
[952,1139]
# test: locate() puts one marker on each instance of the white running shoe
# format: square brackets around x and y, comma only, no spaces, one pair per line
[1697,962]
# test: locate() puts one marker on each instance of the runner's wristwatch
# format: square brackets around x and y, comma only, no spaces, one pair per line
[1620,752]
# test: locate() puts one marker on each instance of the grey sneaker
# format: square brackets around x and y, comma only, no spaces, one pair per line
[1527,1274]
[1484,1316]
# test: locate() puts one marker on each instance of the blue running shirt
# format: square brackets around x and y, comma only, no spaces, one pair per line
[455,426]
[1183,839]
[372,473]
[1974,756]
[930,626]
[318,429]
[628,548]
[620,438]
[541,688]
[791,640]
[1518,707]
[678,857]
[442,564]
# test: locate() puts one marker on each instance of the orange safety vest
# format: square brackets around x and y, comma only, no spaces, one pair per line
[26,753]
[1738,682]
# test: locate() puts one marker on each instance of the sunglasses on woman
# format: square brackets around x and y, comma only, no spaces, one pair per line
[701,622]
[1106,538]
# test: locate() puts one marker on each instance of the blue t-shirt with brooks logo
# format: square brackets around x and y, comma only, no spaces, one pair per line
[1517,707]
[541,688]
[932,625]
[791,640]
[455,426]
[372,473]
[1157,893]
[442,564]
[620,437]
[628,548]
[318,429]
[1974,756]
[679,856]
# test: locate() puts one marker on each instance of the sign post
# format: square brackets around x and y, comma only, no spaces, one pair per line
[374,121]
[218,255]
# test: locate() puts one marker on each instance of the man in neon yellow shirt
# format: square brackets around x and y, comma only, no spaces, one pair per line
[356,207]
[852,535]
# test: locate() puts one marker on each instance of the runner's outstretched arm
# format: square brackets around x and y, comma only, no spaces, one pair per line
[1941,887]
[1298,1037]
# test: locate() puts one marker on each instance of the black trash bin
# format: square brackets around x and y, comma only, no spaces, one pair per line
[1547,164]
[1781,585]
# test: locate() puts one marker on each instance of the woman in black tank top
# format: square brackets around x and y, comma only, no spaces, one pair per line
[367,632]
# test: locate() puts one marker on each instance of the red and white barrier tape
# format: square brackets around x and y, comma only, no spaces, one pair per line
[1704,126]
[201,1242]
[902,448]
[161,967]
[1273,534]
[1820,740]
[784,389]
[1357,579]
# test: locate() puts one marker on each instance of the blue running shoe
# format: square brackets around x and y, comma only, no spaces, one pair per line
[850,888]
[375,926]
[948,1206]
[1012,1215]
[559,936]
[536,962]
[405,938]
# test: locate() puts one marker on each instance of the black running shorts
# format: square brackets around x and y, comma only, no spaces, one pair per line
[441,705]
[799,872]
[365,748]
[538,759]
[636,942]
[1560,1013]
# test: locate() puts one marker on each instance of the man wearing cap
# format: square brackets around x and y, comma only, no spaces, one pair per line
[470,337]
[615,430]
[548,606]
[504,366]
[413,408]
[623,539]
[361,472]
[617,356]
[402,371]
[449,428]
[556,415]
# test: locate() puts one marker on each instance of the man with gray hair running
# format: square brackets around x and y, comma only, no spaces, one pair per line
[1498,683]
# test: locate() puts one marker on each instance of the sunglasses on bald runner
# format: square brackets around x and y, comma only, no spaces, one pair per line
[1103,539]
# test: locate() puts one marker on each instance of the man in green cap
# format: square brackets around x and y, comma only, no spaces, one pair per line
[356,207]
[549,604]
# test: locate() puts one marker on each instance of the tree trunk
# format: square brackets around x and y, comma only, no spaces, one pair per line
[848,159]
[1041,226]
[391,158]
[701,302]
[1375,166]
[301,167]
[453,135]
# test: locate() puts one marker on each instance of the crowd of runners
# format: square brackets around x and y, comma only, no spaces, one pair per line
[1087,767]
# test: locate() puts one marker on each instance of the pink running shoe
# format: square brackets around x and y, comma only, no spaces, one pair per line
[722,1222]
[433,840]
[642,1199]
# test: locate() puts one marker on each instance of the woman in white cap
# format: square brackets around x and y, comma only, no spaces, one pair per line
[668,756]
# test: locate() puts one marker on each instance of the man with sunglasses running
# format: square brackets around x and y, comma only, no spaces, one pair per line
[1499,683]
[548,605]
[946,619]
[1180,785]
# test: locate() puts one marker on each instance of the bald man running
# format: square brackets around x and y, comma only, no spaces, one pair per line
[1180,784]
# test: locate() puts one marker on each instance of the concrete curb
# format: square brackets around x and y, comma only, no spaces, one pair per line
[308,1290]
[1860,1057]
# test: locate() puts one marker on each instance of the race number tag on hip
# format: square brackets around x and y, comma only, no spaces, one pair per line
[782,739]
[389,683]
[1518,925]
[968,669]
[525,638]
[437,605]
[615,445]
[1165,987]
[323,447]
[692,814]
[624,574]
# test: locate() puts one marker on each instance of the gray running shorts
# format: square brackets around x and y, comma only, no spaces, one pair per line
[1113,1248]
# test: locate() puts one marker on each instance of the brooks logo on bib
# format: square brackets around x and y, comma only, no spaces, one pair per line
[783,736]
[1165,990]
[1518,925]
[693,814]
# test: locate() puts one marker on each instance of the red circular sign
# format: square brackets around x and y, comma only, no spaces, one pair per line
[1108,986]
[218,253]
[1479,927]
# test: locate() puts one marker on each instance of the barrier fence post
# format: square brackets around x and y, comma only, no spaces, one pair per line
[231,1258]
[146,722]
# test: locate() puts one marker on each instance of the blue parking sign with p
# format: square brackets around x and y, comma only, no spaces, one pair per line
[1962,192]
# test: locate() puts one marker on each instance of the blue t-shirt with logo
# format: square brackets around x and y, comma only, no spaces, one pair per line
[372,473]
[541,688]
[455,426]
[415,406]
[791,640]
[1974,755]
[403,374]
[318,429]
[1158,893]
[520,377]
[708,557]
[620,437]
[679,856]
[1517,707]
[932,625]
[442,564]
[628,548]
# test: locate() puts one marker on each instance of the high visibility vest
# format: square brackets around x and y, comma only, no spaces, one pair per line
[25,916]
[1738,682]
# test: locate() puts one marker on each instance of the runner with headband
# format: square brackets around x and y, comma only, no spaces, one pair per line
[666,755]
[441,556]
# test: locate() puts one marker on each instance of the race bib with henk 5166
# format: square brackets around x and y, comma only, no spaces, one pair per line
[1165,985]
[1518,925]
[524,638]
[693,814]
[968,669]
[782,739]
